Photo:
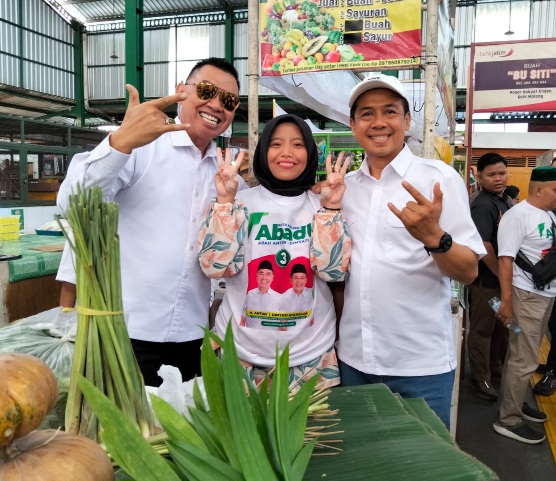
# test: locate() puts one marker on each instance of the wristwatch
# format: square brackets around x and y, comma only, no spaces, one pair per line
[444,245]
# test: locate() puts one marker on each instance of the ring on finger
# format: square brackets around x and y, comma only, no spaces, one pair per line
[169,121]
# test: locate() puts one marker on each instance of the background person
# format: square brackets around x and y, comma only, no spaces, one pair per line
[488,338]
[547,385]
[282,223]
[512,191]
[527,227]
[161,176]
[411,232]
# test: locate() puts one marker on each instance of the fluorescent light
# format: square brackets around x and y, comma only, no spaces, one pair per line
[108,128]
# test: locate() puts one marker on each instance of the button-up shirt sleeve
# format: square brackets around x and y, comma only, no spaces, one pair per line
[101,167]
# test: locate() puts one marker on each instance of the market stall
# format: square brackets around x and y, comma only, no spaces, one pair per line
[27,276]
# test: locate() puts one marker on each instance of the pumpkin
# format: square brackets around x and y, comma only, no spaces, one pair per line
[50,455]
[28,391]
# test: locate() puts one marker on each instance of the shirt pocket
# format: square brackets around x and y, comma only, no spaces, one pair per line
[401,246]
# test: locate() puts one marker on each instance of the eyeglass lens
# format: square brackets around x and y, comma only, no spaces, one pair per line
[207,91]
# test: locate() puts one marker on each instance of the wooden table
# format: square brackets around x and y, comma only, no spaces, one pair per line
[28,285]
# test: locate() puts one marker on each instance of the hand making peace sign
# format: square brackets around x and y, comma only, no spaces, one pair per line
[144,122]
[225,180]
[333,188]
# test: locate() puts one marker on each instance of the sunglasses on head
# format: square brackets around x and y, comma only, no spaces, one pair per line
[207,90]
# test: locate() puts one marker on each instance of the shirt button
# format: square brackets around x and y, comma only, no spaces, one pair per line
[196,194]
[186,276]
[194,219]
[190,248]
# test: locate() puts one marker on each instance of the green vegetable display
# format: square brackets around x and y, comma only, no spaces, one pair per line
[255,437]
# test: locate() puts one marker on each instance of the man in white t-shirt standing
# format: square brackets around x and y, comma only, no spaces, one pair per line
[528,227]
[411,232]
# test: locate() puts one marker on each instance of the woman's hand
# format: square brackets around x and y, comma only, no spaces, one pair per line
[333,188]
[225,179]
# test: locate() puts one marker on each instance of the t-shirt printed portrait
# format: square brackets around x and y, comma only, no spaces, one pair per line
[280,281]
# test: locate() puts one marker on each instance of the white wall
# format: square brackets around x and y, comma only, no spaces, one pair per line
[516,140]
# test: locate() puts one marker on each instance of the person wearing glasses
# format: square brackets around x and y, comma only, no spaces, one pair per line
[266,231]
[160,170]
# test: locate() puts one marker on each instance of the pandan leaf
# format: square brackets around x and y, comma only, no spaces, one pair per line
[259,406]
[198,397]
[175,425]
[298,415]
[204,426]
[301,462]
[211,368]
[201,466]
[279,411]
[251,452]
[124,442]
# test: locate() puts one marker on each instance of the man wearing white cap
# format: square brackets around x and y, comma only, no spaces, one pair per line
[411,232]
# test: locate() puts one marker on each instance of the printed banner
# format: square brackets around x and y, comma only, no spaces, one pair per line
[280,279]
[312,36]
[513,77]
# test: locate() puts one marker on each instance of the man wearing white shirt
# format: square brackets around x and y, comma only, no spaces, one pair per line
[411,233]
[263,299]
[529,229]
[298,298]
[161,171]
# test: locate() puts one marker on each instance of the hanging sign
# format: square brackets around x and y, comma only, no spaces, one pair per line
[312,36]
[515,76]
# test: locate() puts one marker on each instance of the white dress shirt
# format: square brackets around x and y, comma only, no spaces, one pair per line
[294,302]
[163,190]
[397,318]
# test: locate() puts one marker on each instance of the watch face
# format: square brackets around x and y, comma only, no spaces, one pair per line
[446,241]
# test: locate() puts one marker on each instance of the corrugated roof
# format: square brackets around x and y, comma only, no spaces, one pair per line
[104,10]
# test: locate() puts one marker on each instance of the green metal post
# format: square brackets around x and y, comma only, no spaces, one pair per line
[134,61]
[78,85]
[21,46]
[229,32]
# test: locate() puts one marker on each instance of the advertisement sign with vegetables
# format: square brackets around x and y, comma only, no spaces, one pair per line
[313,35]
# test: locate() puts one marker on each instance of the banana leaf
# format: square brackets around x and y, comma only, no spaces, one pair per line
[382,441]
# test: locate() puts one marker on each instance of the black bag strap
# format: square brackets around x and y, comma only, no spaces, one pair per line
[523,262]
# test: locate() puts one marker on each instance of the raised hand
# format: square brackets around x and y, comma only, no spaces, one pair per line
[225,180]
[333,188]
[144,122]
[421,217]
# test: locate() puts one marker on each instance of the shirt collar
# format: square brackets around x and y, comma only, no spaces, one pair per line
[400,163]
[180,138]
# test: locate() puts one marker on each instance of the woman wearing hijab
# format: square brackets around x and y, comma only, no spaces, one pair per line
[256,237]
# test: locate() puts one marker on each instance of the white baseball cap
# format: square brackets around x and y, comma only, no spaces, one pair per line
[377,81]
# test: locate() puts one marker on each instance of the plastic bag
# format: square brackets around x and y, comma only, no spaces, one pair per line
[175,392]
[50,336]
